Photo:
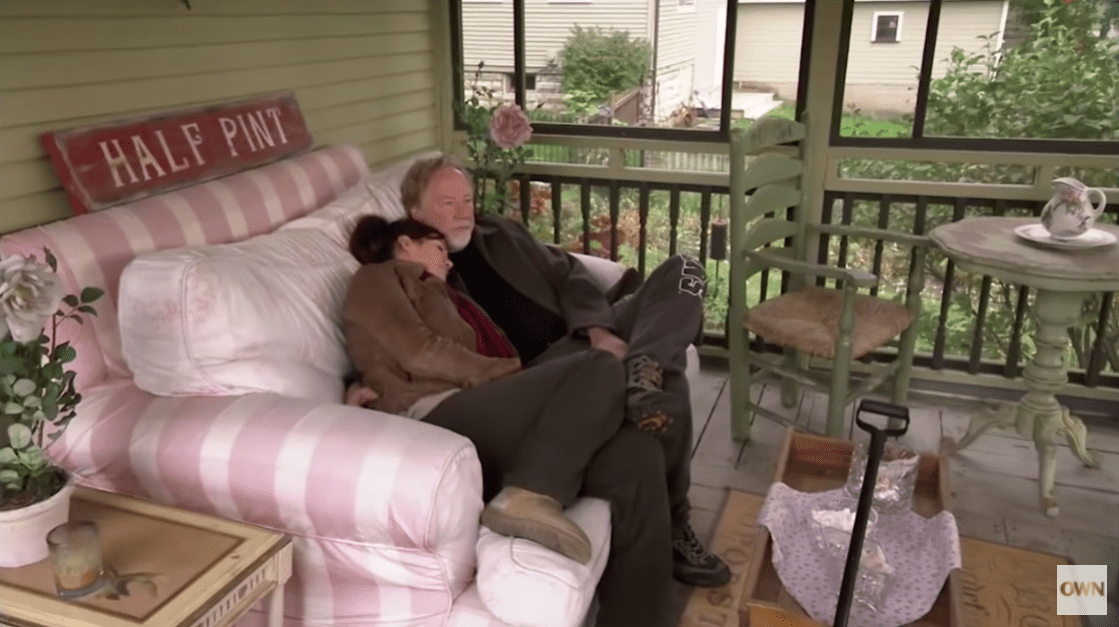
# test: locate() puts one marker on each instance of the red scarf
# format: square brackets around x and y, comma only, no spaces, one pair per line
[491,342]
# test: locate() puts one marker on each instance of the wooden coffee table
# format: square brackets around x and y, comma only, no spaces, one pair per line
[207,571]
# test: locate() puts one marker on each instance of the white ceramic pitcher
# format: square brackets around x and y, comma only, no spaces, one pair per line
[1069,213]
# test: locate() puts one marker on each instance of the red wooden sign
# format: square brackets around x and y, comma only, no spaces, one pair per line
[110,164]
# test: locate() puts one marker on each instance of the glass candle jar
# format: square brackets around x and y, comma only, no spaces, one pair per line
[875,576]
[75,557]
[897,477]
[833,529]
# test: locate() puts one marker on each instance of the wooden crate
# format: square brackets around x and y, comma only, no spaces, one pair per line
[811,463]
[734,540]
[1004,585]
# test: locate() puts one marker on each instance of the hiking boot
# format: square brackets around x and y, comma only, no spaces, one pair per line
[693,564]
[523,514]
[648,406]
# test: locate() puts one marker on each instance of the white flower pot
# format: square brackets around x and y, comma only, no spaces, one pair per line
[23,531]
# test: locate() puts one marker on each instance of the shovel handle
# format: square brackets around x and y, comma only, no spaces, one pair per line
[866,495]
[898,415]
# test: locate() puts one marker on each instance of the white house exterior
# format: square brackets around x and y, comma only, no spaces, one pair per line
[886,43]
[887,38]
[684,32]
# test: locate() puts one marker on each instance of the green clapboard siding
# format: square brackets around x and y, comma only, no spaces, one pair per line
[364,73]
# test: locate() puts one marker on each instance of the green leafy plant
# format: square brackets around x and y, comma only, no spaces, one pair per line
[1062,82]
[495,136]
[1099,15]
[37,393]
[583,104]
[595,63]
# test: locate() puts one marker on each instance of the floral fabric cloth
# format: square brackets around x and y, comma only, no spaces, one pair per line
[921,550]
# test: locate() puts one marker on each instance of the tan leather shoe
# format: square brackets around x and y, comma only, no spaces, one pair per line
[523,514]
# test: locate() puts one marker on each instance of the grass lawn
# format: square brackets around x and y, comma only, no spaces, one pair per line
[851,125]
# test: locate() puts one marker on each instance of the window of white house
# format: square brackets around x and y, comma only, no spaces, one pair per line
[886,28]
[530,82]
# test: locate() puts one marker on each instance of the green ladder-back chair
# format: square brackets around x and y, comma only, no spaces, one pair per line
[808,319]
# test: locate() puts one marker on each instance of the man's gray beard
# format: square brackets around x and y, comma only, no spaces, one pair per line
[458,242]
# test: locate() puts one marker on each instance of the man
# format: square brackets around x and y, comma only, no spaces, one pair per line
[549,305]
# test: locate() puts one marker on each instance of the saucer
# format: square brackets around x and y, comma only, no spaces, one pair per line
[1090,239]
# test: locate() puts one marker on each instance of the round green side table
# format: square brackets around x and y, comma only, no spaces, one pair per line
[1062,279]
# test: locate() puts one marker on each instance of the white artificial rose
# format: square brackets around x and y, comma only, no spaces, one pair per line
[29,294]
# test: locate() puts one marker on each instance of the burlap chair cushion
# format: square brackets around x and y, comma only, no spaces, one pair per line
[808,320]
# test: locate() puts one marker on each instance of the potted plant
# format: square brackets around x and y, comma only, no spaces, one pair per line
[496,134]
[37,402]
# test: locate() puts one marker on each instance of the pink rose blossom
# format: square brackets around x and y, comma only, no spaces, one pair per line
[510,127]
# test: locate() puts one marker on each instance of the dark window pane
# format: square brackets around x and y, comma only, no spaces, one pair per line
[887,29]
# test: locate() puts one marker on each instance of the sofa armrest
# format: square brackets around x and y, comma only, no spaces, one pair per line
[401,492]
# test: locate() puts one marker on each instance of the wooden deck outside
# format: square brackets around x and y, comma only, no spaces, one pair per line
[993,482]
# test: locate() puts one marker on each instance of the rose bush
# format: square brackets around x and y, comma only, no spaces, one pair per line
[37,394]
[495,136]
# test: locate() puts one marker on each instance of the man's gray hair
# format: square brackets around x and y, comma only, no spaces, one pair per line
[415,182]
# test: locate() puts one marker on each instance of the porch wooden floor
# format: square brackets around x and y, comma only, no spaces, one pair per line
[993,482]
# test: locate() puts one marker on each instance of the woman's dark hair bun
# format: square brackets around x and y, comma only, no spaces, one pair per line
[374,238]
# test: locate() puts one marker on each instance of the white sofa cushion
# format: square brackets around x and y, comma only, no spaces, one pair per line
[607,273]
[337,218]
[376,194]
[523,583]
[383,186]
[255,316]
[385,193]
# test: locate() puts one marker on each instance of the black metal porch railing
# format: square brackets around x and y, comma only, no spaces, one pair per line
[608,203]
[1000,330]
[970,323]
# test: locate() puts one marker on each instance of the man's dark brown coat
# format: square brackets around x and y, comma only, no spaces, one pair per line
[548,276]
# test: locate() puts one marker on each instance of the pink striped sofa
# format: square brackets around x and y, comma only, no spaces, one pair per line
[383,512]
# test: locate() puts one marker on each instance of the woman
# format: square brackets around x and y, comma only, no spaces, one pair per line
[432,350]
[427,352]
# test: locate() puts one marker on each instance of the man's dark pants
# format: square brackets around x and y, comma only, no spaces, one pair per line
[660,320]
[557,429]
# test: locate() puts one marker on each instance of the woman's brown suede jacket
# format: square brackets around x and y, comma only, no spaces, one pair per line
[407,339]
